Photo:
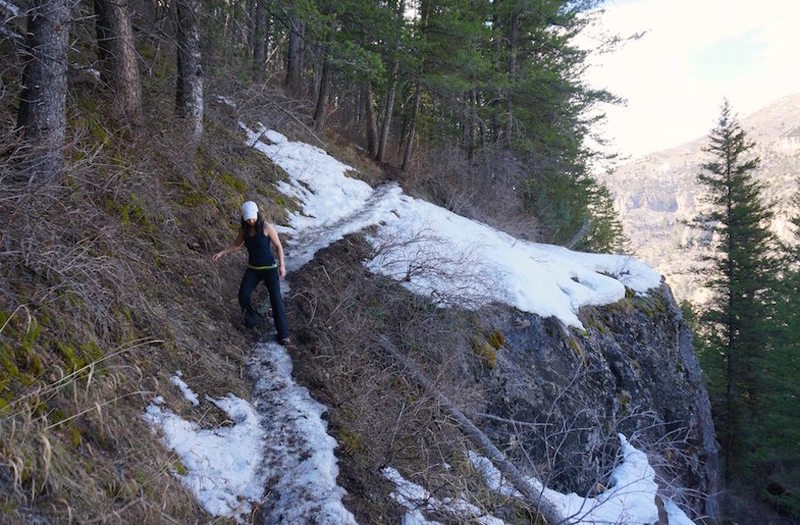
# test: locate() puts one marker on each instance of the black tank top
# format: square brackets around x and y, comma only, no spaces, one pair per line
[258,250]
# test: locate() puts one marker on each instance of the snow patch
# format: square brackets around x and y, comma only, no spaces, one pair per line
[417,500]
[630,498]
[437,253]
[9,8]
[190,396]
[222,464]
[225,100]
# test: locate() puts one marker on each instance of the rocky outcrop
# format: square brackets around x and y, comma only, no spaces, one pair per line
[558,397]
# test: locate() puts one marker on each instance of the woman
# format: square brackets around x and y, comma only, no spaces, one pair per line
[257,235]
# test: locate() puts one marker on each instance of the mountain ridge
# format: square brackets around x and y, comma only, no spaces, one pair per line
[657,193]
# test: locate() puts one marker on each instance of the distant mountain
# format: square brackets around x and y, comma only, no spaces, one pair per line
[653,194]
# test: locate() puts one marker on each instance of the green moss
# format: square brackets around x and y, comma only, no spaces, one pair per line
[485,352]
[180,468]
[624,399]
[350,441]
[75,437]
[576,348]
[70,357]
[496,339]
[233,183]
[195,200]
[31,336]
[91,351]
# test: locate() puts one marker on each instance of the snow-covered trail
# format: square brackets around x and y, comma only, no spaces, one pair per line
[303,246]
[299,463]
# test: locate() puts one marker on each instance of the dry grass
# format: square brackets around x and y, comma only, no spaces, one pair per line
[106,289]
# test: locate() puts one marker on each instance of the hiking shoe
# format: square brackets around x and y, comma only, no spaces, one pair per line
[284,341]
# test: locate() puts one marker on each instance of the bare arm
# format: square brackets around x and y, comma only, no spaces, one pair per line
[272,233]
[230,249]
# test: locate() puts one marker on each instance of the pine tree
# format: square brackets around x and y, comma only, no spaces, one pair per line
[778,453]
[740,275]
[41,116]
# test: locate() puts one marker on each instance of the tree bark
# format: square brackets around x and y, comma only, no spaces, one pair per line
[118,67]
[513,37]
[388,107]
[371,120]
[294,59]
[321,111]
[251,25]
[259,38]
[412,128]
[189,95]
[41,113]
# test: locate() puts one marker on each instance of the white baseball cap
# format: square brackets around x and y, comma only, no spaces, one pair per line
[249,210]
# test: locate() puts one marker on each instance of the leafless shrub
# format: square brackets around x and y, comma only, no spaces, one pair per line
[484,187]
[456,278]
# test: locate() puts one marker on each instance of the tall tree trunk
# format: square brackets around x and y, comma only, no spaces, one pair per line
[251,25]
[259,38]
[472,122]
[294,59]
[189,96]
[513,37]
[388,107]
[371,120]
[321,111]
[412,128]
[118,67]
[41,114]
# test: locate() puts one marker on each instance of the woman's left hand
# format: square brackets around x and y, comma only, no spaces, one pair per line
[282,271]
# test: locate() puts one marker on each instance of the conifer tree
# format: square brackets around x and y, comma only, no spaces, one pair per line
[779,428]
[739,273]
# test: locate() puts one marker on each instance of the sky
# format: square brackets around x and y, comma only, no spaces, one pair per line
[694,54]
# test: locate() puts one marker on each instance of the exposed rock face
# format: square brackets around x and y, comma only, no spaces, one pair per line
[633,371]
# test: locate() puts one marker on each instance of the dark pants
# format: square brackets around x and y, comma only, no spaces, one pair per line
[272,280]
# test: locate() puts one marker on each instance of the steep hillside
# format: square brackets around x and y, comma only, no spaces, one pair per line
[657,193]
[498,327]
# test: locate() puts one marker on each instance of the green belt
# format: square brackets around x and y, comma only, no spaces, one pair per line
[270,267]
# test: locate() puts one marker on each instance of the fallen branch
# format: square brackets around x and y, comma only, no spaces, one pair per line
[533,496]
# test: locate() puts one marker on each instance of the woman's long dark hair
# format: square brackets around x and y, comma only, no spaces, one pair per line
[259,225]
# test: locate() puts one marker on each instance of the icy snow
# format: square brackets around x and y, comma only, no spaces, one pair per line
[190,396]
[286,448]
[221,464]
[298,455]
[435,252]
[630,499]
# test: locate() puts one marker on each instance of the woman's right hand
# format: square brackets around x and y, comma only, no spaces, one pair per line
[217,256]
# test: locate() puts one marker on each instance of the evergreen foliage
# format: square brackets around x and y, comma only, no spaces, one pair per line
[748,333]
[779,454]
[470,75]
